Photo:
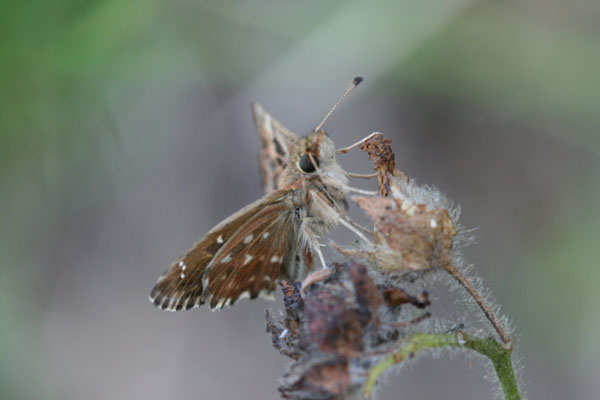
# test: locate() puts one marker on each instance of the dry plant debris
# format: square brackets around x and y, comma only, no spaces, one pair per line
[336,332]
[345,328]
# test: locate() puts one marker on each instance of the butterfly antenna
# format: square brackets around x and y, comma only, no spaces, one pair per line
[350,88]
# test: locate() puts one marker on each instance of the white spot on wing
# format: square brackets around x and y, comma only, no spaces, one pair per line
[275,259]
[248,259]
[220,239]
[226,259]
[432,223]
[244,295]
[171,303]
[248,238]
[265,235]
[182,275]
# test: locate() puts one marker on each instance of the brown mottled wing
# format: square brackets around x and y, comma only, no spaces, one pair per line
[251,261]
[277,143]
[181,286]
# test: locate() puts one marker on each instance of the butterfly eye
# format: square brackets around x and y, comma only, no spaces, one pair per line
[306,164]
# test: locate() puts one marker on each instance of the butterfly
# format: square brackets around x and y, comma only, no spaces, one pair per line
[275,237]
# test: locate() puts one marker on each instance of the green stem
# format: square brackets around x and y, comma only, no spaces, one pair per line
[498,355]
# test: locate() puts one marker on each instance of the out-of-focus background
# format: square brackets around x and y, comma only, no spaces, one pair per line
[126,133]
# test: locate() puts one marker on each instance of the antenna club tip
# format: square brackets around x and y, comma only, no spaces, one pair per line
[357,80]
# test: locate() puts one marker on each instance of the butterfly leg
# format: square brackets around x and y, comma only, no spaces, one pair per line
[355,230]
[347,149]
[320,254]
[361,191]
[360,227]
[330,181]
[310,237]
[309,226]
[315,277]
[361,176]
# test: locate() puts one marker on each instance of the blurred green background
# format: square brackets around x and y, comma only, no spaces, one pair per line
[125,134]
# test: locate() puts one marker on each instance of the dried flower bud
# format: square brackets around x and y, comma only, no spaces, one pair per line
[410,236]
[380,152]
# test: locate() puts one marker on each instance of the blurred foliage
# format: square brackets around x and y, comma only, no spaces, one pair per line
[59,59]
[560,282]
[54,59]
[517,63]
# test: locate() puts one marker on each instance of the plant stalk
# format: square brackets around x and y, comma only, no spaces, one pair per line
[496,352]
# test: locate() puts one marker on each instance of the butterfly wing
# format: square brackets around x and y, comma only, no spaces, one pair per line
[193,278]
[251,261]
[277,144]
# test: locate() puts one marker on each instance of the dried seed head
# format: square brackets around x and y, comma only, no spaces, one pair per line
[409,236]
[336,331]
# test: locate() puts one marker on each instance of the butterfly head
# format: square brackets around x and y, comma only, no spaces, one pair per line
[315,153]
[315,157]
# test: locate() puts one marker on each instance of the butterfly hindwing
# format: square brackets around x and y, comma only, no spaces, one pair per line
[277,143]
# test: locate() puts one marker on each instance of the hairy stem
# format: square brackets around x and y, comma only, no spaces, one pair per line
[498,355]
[455,273]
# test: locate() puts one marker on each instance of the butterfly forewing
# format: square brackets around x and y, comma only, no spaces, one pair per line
[249,264]
[277,143]
[181,286]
